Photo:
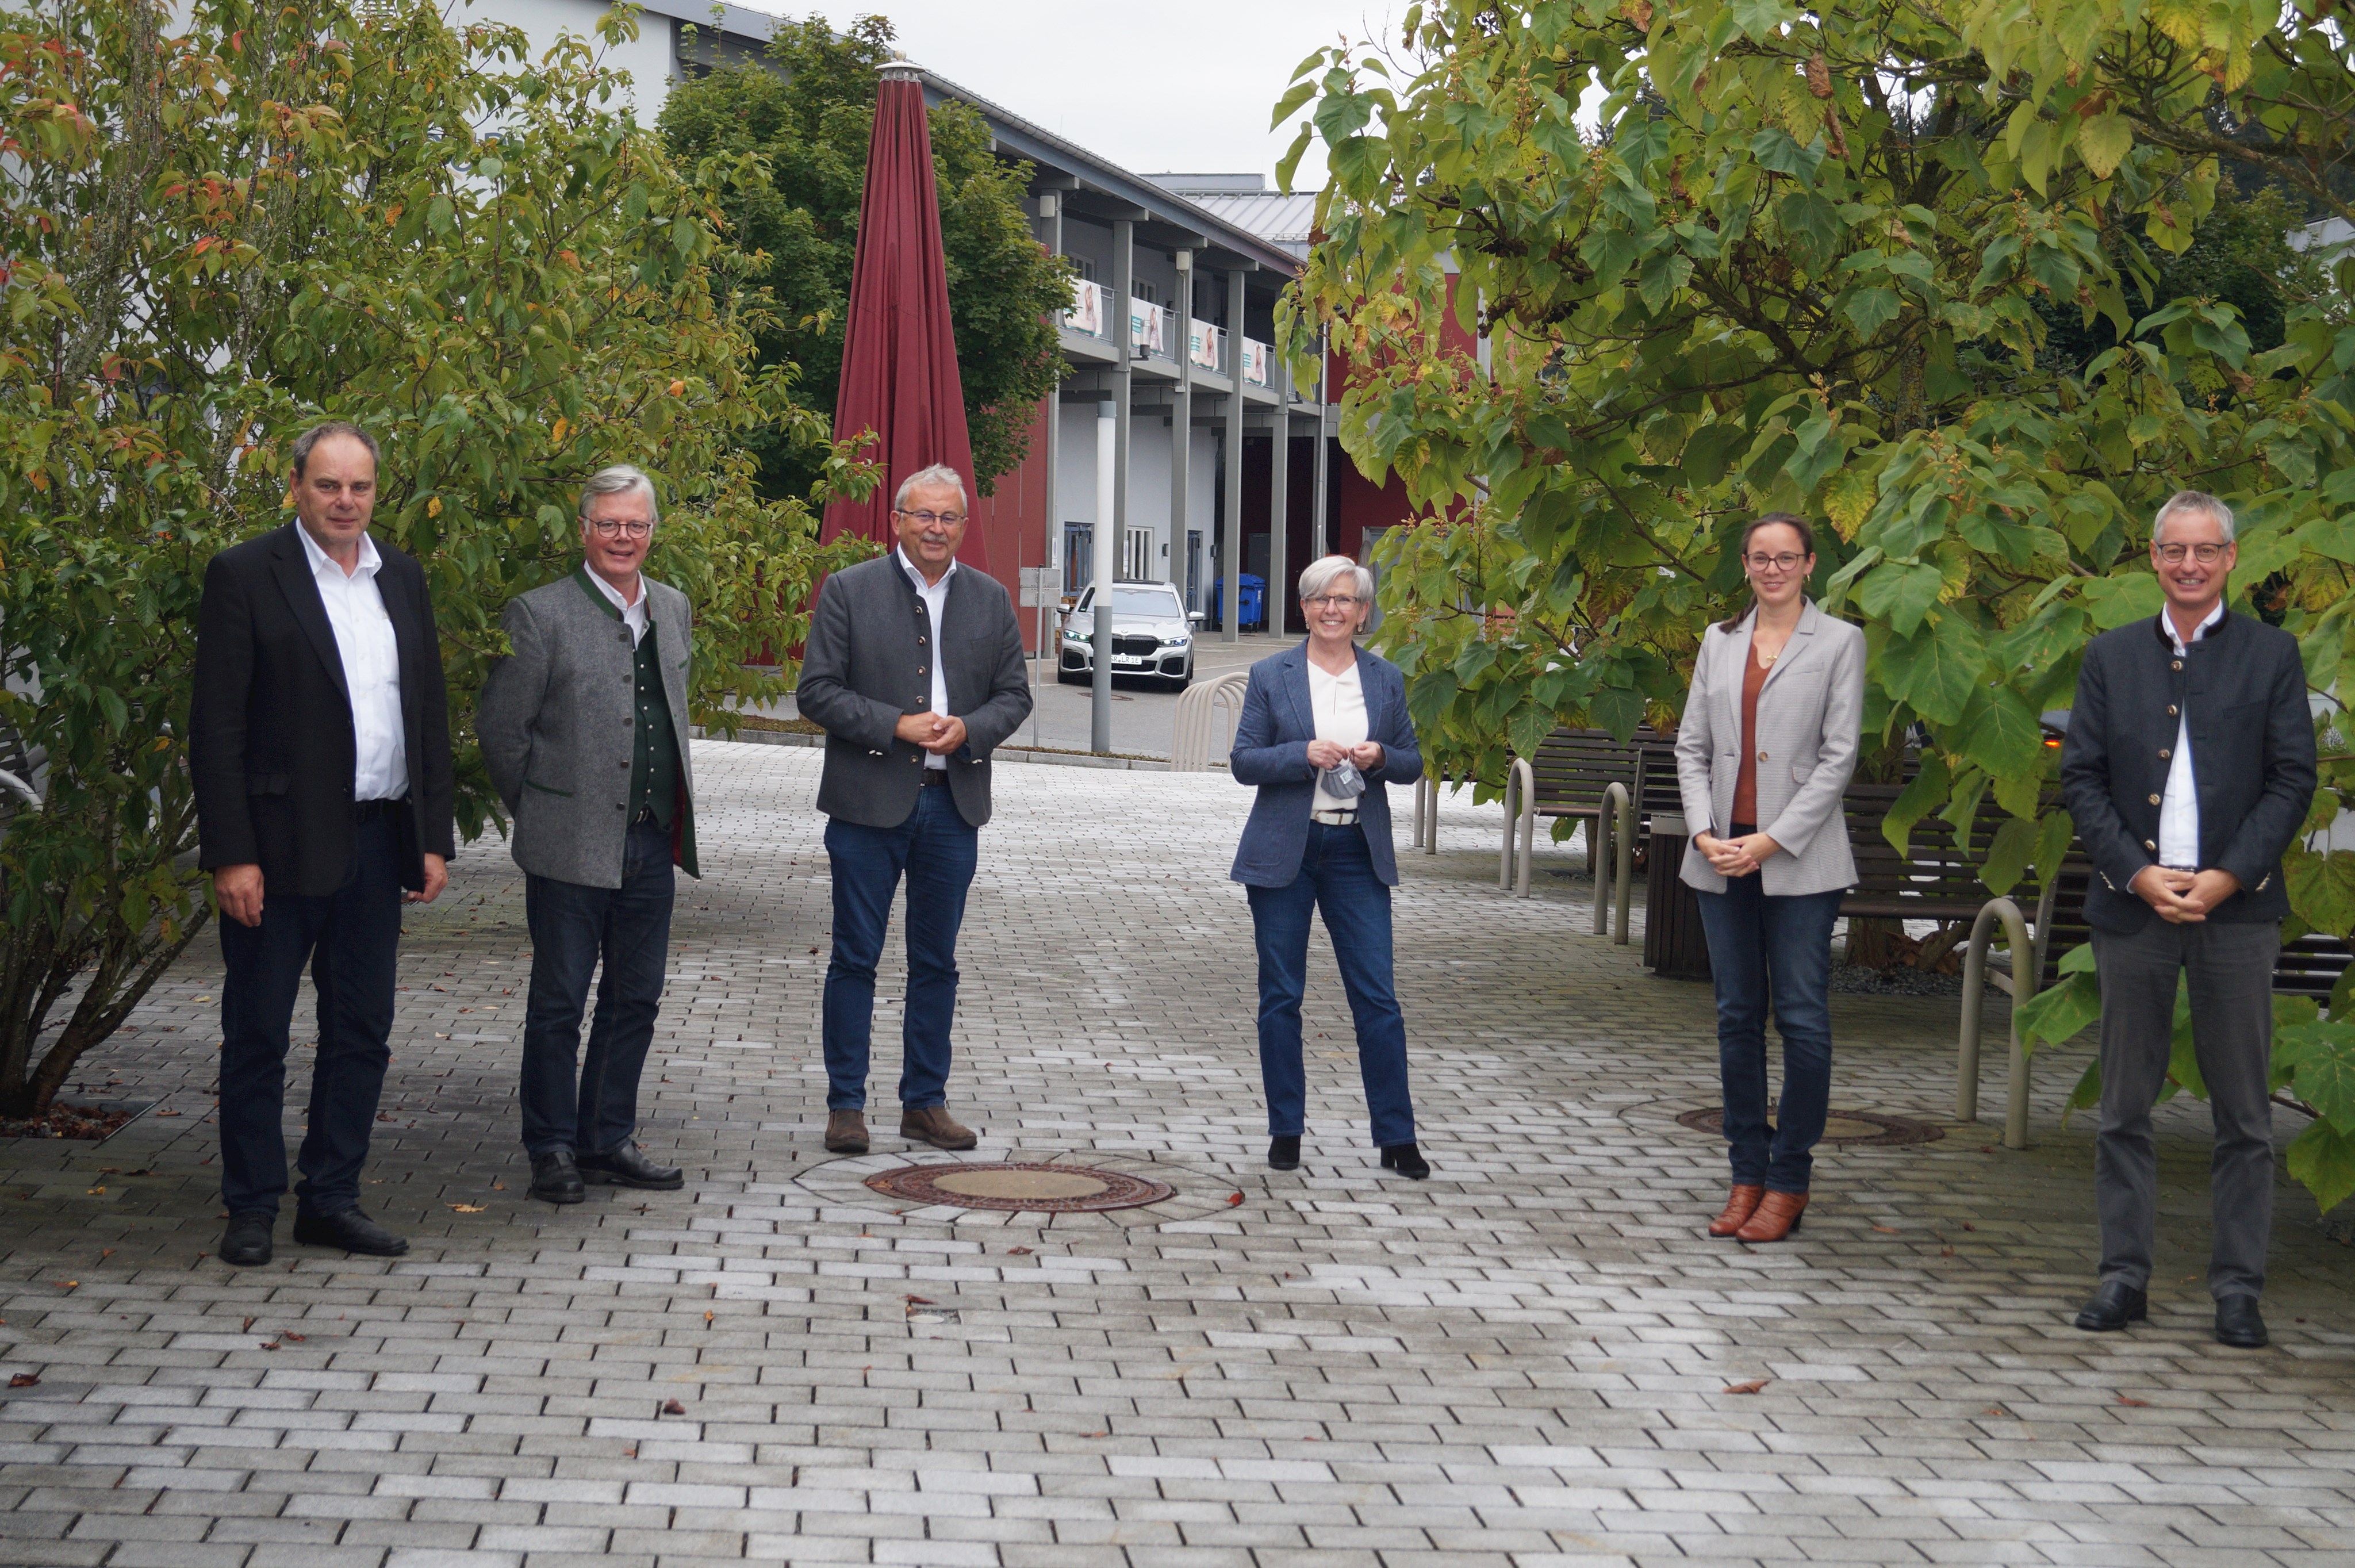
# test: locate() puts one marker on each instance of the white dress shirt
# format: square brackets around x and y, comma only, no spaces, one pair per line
[2179,807]
[634,612]
[935,596]
[1337,702]
[371,655]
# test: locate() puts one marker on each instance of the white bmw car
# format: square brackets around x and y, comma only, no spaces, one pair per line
[1152,634]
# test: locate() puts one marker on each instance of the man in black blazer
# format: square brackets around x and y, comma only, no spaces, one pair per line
[2189,769]
[914,668]
[319,741]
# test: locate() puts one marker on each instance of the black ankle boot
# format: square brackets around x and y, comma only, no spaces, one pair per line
[1284,1154]
[1404,1159]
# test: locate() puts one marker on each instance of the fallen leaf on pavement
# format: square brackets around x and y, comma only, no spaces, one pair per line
[298,1339]
[1234,1199]
[467,1207]
[920,1300]
[1017,1252]
[1753,1386]
[24,1380]
[2137,1404]
[246,1325]
[671,1407]
[1886,1229]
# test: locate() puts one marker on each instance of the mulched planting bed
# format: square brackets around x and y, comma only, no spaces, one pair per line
[69,1122]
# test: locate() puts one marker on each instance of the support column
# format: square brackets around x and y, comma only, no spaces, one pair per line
[1322,525]
[1111,530]
[1279,517]
[1181,428]
[1230,567]
[1051,209]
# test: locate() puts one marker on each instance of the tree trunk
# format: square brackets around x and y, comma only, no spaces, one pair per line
[1874,943]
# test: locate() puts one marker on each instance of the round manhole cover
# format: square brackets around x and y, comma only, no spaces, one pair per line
[1850,1129]
[1032,1188]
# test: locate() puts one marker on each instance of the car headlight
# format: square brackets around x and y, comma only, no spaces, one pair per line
[1175,640]
[1071,636]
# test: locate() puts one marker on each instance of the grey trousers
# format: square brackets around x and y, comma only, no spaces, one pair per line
[2231,969]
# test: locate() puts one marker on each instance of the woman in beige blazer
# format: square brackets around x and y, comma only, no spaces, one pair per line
[1768,740]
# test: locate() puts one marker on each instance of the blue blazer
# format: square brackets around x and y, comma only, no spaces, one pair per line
[1272,751]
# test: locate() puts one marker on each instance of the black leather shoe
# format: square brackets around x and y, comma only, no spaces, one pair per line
[350,1230]
[246,1242]
[627,1166]
[1404,1159]
[1284,1154]
[2239,1324]
[2114,1305]
[555,1179]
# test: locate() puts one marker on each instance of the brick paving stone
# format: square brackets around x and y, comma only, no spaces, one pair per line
[1521,1363]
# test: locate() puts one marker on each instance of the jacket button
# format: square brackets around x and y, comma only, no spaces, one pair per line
[2150,846]
[2177,665]
[2170,710]
[920,642]
[1762,756]
[2154,800]
[2164,753]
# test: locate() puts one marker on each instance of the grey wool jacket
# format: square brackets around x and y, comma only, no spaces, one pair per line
[868,661]
[556,725]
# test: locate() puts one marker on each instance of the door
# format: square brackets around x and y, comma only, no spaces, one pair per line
[1193,569]
[1079,549]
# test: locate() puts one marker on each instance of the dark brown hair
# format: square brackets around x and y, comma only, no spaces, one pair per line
[1797,525]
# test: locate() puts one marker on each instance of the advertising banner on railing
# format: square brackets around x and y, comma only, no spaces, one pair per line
[1202,345]
[1256,359]
[1087,311]
[1145,328]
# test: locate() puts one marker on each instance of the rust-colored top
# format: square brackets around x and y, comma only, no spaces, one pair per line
[1745,778]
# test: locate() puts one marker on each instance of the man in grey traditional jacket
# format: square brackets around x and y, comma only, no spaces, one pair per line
[584,733]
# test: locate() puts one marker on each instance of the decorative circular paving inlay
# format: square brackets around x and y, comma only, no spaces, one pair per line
[1036,1188]
[1850,1129]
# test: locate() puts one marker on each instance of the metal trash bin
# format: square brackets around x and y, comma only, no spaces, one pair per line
[1674,946]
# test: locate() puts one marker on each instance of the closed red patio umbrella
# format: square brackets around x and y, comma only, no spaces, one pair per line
[899,353]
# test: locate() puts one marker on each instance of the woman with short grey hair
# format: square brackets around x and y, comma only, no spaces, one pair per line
[1324,730]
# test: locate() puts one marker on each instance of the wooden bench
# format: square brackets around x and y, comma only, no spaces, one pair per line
[1585,775]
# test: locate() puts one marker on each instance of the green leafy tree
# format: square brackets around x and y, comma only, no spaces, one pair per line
[217,236]
[802,129]
[1811,261]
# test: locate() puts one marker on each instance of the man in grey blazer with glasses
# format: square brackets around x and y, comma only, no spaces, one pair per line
[585,735]
[914,668]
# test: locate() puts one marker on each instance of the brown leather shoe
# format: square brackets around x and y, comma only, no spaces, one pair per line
[1739,1204]
[846,1132]
[1777,1216]
[934,1126]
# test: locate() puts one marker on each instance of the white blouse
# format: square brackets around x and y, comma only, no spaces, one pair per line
[1338,704]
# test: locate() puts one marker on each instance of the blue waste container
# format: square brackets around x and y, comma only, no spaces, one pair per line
[1251,612]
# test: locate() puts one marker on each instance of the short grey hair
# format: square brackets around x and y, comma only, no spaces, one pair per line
[1319,576]
[620,479]
[319,432]
[939,475]
[2192,501]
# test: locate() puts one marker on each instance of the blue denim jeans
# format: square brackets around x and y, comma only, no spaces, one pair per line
[1771,951]
[936,850]
[1336,877]
[351,940]
[572,926]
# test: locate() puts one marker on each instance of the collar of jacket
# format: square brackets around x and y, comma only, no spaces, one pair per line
[2158,630]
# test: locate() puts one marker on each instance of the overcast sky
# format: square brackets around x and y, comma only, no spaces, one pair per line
[1152,90]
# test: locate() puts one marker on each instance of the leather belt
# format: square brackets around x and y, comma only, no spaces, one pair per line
[369,810]
[1335,818]
[936,776]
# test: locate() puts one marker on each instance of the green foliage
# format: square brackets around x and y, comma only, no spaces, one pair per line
[217,238]
[1812,261]
[795,146]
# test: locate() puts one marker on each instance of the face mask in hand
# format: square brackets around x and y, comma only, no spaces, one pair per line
[1342,781]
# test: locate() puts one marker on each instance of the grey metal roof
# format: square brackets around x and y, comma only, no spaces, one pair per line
[1282,221]
[738,19]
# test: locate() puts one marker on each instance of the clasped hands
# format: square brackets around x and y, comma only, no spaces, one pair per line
[1325,755]
[2183,898]
[1736,857]
[933,732]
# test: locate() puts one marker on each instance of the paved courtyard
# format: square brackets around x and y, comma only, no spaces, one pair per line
[1535,1358]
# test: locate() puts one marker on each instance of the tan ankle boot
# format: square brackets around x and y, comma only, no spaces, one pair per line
[934,1126]
[1777,1216]
[1739,1204]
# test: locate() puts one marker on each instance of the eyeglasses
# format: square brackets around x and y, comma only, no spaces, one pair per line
[1786,561]
[2205,554]
[934,520]
[605,529]
[1334,602]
